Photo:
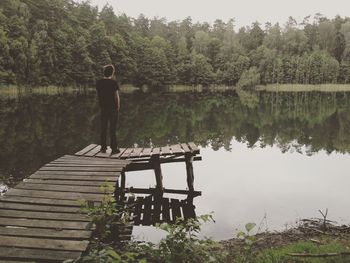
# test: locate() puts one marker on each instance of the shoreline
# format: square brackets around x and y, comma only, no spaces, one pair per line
[318,239]
[127,88]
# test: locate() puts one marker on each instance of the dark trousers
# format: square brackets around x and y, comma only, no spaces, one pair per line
[109,117]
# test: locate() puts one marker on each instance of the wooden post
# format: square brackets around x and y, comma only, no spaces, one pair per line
[189,170]
[158,196]
[116,190]
[119,190]
[158,172]
[122,183]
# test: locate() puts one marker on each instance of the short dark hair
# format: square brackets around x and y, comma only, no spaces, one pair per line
[108,70]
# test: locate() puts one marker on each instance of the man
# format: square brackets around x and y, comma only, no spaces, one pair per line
[108,96]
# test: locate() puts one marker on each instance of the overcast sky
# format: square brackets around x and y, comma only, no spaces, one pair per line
[243,11]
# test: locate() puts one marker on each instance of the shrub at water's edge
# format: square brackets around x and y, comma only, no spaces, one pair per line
[183,244]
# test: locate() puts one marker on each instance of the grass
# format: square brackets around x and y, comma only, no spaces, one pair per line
[268,88]
[128,88]
[304,88]
[14,91]
[326,245]
[200,88]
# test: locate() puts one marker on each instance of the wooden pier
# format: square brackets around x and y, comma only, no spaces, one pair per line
[41,218]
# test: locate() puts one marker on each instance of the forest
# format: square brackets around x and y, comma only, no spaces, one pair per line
[66,43]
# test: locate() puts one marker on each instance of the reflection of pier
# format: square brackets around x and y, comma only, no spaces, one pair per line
[151,209]
[150,206]
[41,220]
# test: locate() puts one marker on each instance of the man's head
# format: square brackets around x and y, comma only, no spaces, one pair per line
[108,71]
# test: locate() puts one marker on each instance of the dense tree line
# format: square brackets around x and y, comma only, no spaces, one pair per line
[62,42]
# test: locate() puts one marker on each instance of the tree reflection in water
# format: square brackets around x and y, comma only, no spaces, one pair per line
[37,128]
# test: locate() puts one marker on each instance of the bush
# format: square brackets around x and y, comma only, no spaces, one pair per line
[182,244]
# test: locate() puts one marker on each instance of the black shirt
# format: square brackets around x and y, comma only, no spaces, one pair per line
[106,89]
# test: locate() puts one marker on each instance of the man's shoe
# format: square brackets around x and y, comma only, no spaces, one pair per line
[116,151]
[103,150]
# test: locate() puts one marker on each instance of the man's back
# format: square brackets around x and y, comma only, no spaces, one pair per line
[106,89]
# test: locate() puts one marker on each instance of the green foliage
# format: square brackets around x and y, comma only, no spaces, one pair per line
[280,255]
[58,42]
[247,254]
[106,215]
[250,78]
[182,244]
[107,255]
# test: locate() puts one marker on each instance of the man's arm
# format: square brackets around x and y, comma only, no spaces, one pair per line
[117,99]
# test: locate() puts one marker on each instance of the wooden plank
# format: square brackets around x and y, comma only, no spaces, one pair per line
[166,210]
[53,164]
[155,151]
[40,201]
[35,254]
[93,152]
[193,147]
[165,150]
[99,161]
[136,153]
[93,178]
[165,190]
[117,155]
[43,208]
[55,195]
[82,169]
[86,159]
[68,182]
[176,149]
[37,223]
[44,215]
[156,210]
[147,152]
[50,233]
[106,154]
[186,148]
[187,209]
[86,149]
[175,208]
[126,153]
[137,211]
[63,188]
[191,212]
[56,244]
[147,211]
[78,173]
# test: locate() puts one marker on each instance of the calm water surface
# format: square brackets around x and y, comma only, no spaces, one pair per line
[267,157]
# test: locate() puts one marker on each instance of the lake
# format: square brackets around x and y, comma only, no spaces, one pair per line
[269,158]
